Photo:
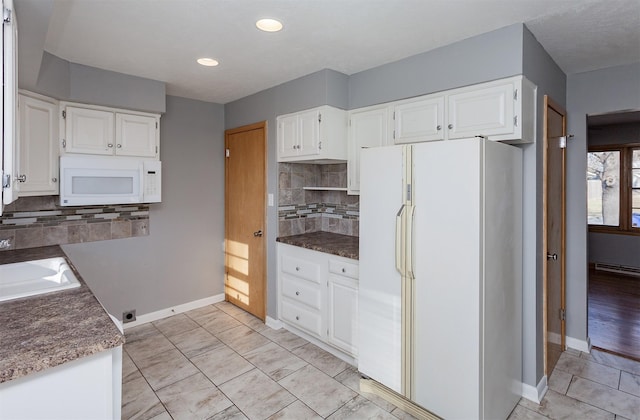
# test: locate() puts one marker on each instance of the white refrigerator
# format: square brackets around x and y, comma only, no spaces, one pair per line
[440,293]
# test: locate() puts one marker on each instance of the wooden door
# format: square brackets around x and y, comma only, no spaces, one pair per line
[245,218]
[554,167]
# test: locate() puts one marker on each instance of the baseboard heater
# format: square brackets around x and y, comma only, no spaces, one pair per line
[620,269]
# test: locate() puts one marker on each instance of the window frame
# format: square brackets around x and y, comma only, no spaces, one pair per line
[626,153]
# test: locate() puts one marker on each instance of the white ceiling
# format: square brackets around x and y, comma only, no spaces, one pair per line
[161,39]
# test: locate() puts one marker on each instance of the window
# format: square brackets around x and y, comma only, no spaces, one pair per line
[613,189]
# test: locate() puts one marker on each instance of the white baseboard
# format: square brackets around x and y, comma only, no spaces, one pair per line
[535,393]
[275,324]
[581,345]
[164,313]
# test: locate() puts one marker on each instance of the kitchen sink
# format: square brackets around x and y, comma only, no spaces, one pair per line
[35,277]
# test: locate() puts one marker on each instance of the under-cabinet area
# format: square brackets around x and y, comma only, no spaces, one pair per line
[313,198]
[318,295]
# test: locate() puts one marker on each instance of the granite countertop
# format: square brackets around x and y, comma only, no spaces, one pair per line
[331,243]
[39,332]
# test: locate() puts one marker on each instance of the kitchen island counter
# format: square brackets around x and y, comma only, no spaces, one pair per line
[40,332]
[330,243]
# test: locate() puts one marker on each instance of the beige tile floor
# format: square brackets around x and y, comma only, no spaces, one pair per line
[219,362]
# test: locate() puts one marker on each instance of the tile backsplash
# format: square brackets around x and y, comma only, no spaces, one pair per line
[30,222]
[302,210]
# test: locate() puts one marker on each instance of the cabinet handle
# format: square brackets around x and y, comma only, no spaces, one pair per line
[450,126]
[54,179]
[297,293]
[439,127]
[119,146]
[109,145]
[22,178]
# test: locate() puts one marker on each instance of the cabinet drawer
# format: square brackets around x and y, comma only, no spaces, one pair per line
[301,291]
[301,268]
[343,268]
[297,316]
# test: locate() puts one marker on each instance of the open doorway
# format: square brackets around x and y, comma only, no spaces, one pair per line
[613,208]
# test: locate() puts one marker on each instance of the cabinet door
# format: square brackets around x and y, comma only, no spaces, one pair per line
[419,121]
[368,128]
[481,112]
[309,133]
[136,135]
[89,131]
[38,146]
[343,313]
[287,137]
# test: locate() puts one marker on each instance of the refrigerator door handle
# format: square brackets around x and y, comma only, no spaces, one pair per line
[409,245]
[399,240]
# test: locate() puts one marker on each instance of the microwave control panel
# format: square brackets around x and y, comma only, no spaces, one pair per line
[152,181]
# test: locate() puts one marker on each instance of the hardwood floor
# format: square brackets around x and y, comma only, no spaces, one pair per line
[614,313]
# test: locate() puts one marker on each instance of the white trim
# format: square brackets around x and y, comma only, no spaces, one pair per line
[164,313]
[581,345]
[535,394]
[275,324]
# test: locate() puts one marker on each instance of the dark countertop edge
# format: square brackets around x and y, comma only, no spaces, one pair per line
[111,336]
[341,245]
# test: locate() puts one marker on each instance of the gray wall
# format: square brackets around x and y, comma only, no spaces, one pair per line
[485,57]
[68,81]
[181,260]
[326,87]
[539,68]
[603,247]
[590,93]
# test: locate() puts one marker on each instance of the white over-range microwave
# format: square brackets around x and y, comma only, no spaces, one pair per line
[97,180]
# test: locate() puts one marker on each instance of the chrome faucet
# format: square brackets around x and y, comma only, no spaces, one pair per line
[5,243]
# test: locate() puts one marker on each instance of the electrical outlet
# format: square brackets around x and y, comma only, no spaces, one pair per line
[128,316]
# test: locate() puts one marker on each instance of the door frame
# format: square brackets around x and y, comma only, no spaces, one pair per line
[551,104]
[250,127]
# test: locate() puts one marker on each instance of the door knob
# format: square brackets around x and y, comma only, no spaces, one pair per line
[22,178]
[552,256]
[257,233]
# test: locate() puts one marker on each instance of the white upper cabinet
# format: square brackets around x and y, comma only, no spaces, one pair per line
[108,131]
[317,135]
[368,127]
[485,112]
[419,119]
[136,135]
[38,145]
[88,131]
[287,137]
[503,110]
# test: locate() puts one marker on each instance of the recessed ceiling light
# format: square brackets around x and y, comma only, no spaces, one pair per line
[269,25]
[210,62]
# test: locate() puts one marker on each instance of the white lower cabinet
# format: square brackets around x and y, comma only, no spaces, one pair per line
[318,294]
[86,388]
